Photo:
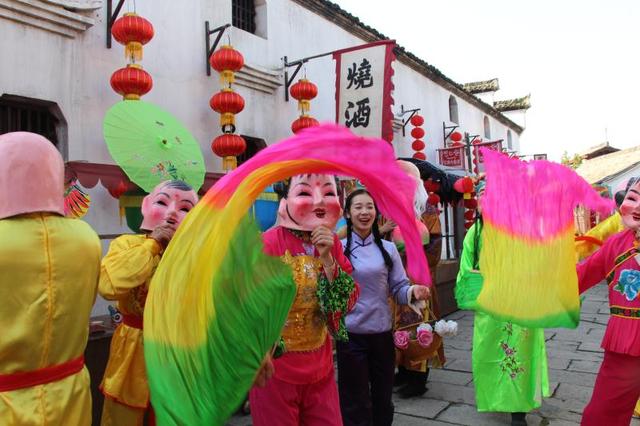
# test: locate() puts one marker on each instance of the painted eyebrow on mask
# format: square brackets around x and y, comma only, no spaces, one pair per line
[634,191]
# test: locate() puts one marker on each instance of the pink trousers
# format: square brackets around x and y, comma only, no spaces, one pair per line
[284,404]
[615,393]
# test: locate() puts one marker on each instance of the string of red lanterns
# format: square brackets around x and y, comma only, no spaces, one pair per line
[132,31]
[303,91]
[466,187]
[227,61]
[418,133]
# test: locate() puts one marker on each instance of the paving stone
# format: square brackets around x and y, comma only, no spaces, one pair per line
[460,365]
[405,420]
[463,414]
[452,393]
[558,363]
[572,377]
[420,407]
[573,392]
[450,376]
[584,366]
[590,347]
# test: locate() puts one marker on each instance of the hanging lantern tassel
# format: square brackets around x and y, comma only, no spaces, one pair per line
[133,51]
[227,77]
[229,163]
[304,105]
[227,118]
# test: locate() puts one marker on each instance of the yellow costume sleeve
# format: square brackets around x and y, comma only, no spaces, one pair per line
[130,262]
[608,227]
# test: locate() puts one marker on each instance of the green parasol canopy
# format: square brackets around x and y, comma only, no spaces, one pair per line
[151,145]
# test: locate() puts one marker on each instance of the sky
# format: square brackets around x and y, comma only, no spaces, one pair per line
[579,59]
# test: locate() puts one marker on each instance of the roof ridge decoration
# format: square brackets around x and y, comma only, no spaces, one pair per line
[483,86]
[514,104]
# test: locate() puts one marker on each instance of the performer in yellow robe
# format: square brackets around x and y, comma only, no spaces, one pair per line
[125,276]
[49,267]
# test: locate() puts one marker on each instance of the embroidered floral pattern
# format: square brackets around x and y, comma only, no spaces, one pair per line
[629,284]
[510,363]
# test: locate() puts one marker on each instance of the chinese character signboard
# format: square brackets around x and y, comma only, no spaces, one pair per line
[452,157]
[477,153]
[363,89]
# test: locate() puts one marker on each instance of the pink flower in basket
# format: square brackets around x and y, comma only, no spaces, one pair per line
[401,339]
[424,337]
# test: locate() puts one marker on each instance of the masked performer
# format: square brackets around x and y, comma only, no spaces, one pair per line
[303,389]
[509,362]
[126,272]
[617,386]
[50,267]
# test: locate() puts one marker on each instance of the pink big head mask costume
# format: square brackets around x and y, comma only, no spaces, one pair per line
[167,204]
[419,200]
[309,201]
[33,177]
[630,207]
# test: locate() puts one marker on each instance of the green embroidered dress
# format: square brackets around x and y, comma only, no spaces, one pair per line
[509,362]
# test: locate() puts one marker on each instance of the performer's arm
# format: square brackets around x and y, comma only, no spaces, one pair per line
[128,264]
[594,269]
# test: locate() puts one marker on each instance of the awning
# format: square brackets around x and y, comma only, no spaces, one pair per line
[114,179]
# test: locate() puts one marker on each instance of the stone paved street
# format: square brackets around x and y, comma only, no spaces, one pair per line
[574,357]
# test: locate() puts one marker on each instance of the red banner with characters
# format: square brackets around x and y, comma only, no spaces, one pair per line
[452,157]
[364,87]
[477,153]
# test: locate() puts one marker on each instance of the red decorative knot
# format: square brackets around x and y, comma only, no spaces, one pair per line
[433,199]
[456,136]
[418,145]
[228,145]
[303,122]
[417,133]
[226,61]
[417,120]
[303,89]
[131,82]
[133,31]
[419,156]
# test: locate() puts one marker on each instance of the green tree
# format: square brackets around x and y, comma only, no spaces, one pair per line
[571,161]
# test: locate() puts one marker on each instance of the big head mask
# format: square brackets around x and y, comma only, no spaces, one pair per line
[168,203]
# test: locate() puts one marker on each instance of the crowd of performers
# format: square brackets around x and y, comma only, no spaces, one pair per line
[352,293]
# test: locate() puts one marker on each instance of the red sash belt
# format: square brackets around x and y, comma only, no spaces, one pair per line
[26,379]
[134,321]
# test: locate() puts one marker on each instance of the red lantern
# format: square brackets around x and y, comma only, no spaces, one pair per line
[304,91]
[131,82]
[464,185]
[303,122]
[417,120]
[455,136]
[226,61]
[431,186]
[468,224]
[119,190]
[433,199]
[418,145]
[227,103]
[419,156]
[228,146]
[417,133]
[470,214]
[471,203]
[133,31]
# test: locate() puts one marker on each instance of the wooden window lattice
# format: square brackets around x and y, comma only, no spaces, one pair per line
[23,117]
[244,15]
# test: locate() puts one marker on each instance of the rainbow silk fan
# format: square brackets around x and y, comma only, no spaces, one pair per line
[217,303]
[528,257]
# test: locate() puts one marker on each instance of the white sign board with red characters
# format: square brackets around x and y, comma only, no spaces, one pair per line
[363,89]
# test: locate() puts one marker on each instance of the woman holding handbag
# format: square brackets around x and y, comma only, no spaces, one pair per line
[366,362]
[509,362]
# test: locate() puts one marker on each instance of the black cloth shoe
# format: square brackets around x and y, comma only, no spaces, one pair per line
[400,377]
[518,419]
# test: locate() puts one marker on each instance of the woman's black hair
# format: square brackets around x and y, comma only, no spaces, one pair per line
[619,196]
[375,230]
